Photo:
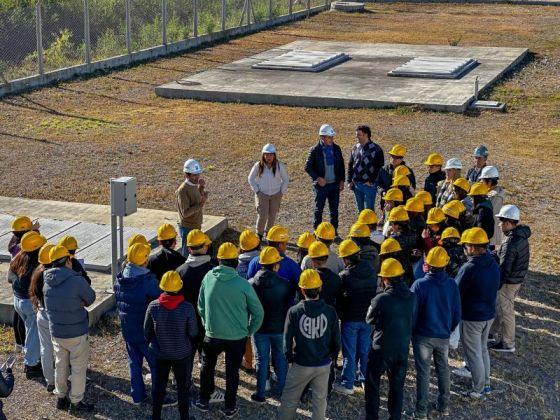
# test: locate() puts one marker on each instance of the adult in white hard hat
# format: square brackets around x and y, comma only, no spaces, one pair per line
[190,198]
[496,194]
[514,265]
[269,181]
[452,170]
[480,156]
[325,166]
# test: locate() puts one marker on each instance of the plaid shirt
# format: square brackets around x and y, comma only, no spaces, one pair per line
[365,162]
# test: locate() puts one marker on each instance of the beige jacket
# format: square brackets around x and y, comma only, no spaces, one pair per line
[189,205]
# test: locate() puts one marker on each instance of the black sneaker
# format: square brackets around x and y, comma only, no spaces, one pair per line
[32,372]
[501,348]
[81,407]
[257,399]
[200,406]
[435,409]
[491,340]
[50,389]
[62,403]
[230,412]
[169,401]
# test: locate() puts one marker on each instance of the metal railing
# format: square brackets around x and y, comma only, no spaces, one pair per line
[56,35]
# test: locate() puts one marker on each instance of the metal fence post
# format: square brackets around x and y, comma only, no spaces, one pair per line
[87,37]
[128,27]
[269,9]
[195,19]
[224,15]
[39,32]
[290,7]
[308,7]
[164,22]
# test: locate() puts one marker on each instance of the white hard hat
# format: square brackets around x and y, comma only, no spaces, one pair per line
[191,166]
[453,163]
[489,172]
[269,148]
[509,211]
[327,130]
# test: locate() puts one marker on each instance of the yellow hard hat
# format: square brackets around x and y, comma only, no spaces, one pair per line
[398,214]
[474,236]
[450,232]
[435,216]
[21,224]
[310,279]
[426,197]
[393,194]
[248,240]
[138,254]
[463,184]
[32,241]
[347,248]
[325,231]
[390,245]
[401,170]
[478,188]
[305,240]
[414,204]
[269,255]
[317,250]
[227,251]
[437,257]
[165,232]
[359,230]
[277,234]
[401,181]
[391,268]
[196,237]
[434,159]
[398,150]
[368,217]
[69,242]
[57,252]
[171,282]
[137,238]
[44,254]
[454,208]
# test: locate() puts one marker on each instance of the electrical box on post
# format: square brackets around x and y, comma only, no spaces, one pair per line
[123,196]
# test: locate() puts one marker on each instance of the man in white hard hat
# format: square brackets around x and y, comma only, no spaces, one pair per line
[480,157]
[514,265]
[325,166]
[452,170]
[496,194]
[191,198]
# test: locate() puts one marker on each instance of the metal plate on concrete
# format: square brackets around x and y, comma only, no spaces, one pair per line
[435,67]
[85,233]
[301,60]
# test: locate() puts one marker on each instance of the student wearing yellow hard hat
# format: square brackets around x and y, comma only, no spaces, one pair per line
[385,176]
[71,244]
[303,243]
[452,170]
[392,315]
[407,238]
[331,289]
[450,242]
[415,209]
[392,198]
[166,258]
[361,234]
[230,311]
[249,245]
[169,327]
[483,213]
[312,326]
[275,295]
[434,162]
[325,233]
[439,313]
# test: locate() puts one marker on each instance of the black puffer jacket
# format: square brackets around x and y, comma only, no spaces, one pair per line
[514,255]
[315,163]
[275,294]
[484,217]
[385,177]
[359,285]
[163,261]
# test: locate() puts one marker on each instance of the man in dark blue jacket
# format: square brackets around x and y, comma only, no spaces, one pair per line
[325,166]
[478,281]
[439,313]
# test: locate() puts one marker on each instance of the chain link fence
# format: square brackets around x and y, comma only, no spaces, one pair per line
[39,36]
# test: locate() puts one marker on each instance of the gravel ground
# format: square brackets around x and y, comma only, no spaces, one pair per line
[64,142]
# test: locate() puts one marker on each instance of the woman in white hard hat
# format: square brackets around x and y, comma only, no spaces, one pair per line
[269,181]
[452,170]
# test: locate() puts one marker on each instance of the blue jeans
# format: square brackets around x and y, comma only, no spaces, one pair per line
[356,341]
[136,355]
[329,192]
[365,195]
[32,345]
[264,345]
[184,231]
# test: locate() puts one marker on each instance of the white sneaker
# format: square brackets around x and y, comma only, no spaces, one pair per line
[267,386]
[341,389]
[217,397]
[462,372]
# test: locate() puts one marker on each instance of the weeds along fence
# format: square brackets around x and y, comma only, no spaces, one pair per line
[45,41]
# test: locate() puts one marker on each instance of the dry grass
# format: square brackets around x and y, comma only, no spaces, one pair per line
[65,142]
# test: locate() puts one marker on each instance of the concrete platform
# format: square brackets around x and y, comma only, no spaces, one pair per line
[361,82]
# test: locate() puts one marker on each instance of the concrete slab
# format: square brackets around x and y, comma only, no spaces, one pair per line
[361,82]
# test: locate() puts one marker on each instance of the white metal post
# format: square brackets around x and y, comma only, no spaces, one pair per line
[39,32]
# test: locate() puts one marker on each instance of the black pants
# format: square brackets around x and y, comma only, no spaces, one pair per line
[19,329]
[330,192]
[182,370]
[211,349]
[395,365]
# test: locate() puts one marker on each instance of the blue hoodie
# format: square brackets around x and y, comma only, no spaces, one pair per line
[439,305]
[478,281]
[134,289]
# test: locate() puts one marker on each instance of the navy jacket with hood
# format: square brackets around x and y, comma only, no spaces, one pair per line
[275,294]
[65,291]
[133,295]
[479,281]
[439,305]
[359,285]
[484,217]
